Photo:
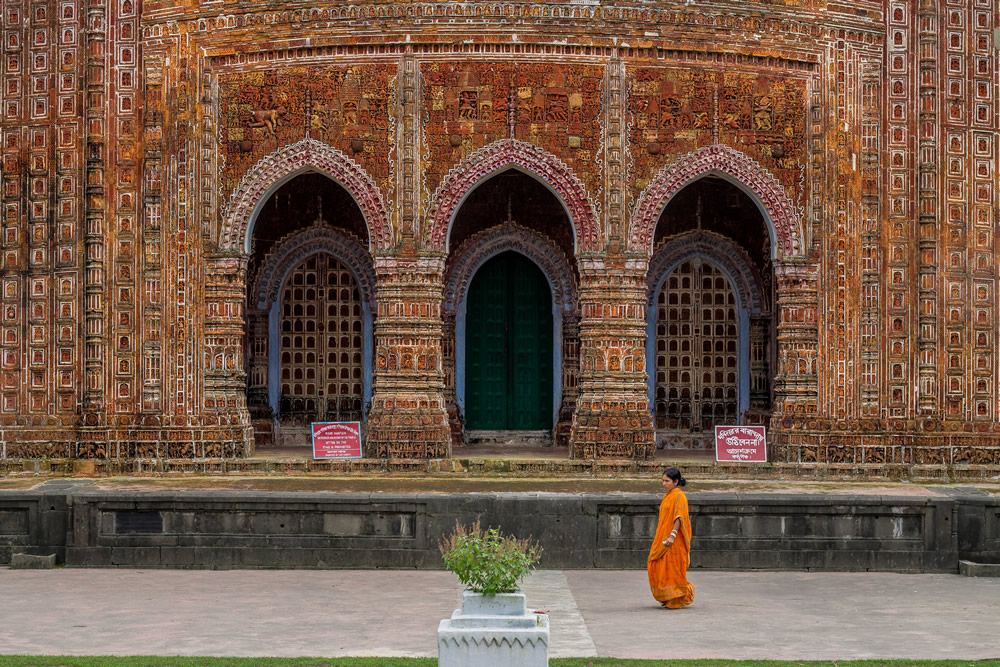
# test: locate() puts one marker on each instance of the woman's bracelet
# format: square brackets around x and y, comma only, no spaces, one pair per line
[673,533]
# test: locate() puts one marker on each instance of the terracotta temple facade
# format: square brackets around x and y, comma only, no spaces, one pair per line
[607,225]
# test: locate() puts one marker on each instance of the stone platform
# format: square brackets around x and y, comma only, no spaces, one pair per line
[493,460]
[738,615]
[396,521]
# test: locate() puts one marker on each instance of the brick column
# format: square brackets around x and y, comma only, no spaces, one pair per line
[258,400]
[612,418]
[796,382]
[225,374]
[408,418]
[456,422]
[759,404]
[570,377]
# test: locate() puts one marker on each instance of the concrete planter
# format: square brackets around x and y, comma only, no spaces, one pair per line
[493,631]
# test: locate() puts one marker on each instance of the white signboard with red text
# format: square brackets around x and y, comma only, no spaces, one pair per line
[336,440]
[740,444]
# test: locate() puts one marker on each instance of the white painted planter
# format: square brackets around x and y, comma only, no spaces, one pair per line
[493,631]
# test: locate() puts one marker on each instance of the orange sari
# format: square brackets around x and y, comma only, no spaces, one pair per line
[667,566]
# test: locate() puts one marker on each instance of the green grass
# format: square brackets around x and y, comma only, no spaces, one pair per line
[159,661]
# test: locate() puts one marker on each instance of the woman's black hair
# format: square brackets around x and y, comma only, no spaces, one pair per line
[675,475]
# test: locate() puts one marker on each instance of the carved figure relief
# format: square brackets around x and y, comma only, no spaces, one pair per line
[681,110]
[263,110]
[479,103]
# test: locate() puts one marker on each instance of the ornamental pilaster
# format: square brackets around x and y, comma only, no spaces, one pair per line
[225,374]
[408,417]
[612,417]
[796,382]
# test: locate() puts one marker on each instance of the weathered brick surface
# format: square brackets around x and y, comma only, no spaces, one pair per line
[140,141]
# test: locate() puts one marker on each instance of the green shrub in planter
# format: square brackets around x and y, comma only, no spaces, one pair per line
[487,561]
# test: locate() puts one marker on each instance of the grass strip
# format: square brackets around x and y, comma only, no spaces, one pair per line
[198,661]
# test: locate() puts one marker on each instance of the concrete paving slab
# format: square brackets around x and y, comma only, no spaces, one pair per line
[790,615]
[569,635]
[794,616]
[284,613]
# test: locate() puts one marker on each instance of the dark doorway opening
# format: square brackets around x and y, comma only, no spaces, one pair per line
[711,328]
[509,347]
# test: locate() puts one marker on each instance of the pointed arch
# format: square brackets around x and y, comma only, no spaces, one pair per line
[512,154]
[294,248]
[717,249]
[475,252]
[279,167]
[265,294]
[481,247]
[743,279]
[783,220]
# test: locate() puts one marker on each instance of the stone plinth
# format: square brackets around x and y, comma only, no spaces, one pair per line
[968,568]
[32,562]
[493,631]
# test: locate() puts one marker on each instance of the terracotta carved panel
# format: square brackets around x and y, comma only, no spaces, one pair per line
[346,107]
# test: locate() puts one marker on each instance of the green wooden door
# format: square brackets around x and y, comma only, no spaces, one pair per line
[508,347]
[486,348]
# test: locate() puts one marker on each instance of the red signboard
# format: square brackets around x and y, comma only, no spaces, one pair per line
[336,440]
[741,444]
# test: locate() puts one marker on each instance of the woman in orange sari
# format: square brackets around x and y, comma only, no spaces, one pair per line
[670,554]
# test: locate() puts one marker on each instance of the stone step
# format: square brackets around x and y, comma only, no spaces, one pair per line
[970,569]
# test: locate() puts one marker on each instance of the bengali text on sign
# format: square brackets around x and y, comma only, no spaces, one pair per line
[742,444]
[336,440]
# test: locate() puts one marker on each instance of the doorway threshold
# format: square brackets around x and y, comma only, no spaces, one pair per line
[508,438]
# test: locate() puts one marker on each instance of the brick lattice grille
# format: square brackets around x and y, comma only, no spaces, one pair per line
[696,350]
[321,358]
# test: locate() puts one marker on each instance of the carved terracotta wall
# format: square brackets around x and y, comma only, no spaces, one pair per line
[676,111]
[138,140]
[469,105]
[345,107]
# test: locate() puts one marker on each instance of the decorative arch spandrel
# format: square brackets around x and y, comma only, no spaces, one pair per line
[512,154]
[293,249]
[282,165]
[476,250]
[784,220]
[716,248]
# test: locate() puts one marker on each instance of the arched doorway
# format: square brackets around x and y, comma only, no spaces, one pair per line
[508,356]
[511,238]
[697,355]
[710,343]
[310,312]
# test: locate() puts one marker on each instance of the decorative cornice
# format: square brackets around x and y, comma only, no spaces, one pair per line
[564,17]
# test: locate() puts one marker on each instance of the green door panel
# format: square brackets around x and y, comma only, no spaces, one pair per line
[486,349]
[530,342]
[509,346]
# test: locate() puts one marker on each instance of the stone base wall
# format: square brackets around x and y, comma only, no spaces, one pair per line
[904,449]
[476,467]
[731,531]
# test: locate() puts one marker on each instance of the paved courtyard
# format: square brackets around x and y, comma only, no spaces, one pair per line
[781,615]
